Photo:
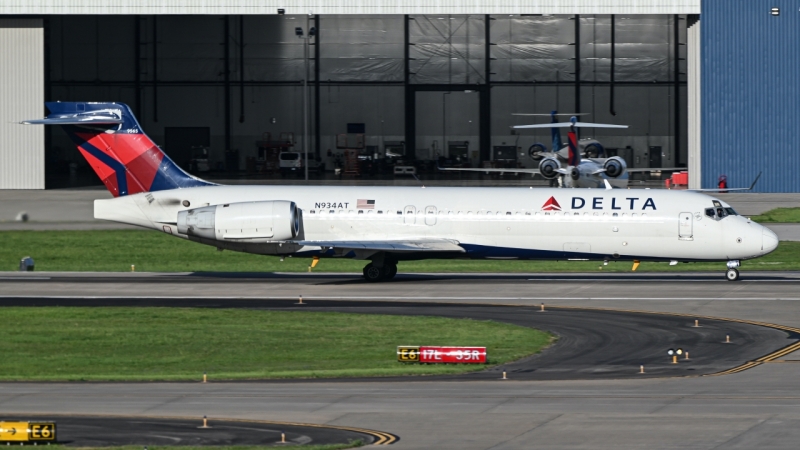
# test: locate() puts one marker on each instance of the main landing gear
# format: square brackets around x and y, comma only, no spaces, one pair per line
[732,274]
[373,273]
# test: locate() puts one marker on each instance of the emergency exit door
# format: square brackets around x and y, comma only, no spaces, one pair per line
[430,215]
[685,227]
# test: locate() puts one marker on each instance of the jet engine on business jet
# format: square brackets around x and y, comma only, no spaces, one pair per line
[549,168]
[254,222]
[615,166]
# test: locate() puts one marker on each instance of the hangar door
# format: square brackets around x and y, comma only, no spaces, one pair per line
[21,97]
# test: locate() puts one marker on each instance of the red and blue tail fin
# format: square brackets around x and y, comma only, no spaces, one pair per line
[113,143]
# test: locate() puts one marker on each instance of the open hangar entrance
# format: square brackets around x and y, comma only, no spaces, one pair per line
[423,88]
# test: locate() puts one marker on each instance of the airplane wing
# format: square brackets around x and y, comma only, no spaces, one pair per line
[392,246]
[568,125]
[654,169]
[511,170]
[752,185]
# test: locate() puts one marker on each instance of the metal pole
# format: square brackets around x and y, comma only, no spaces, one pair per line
[305,98]
[227,78]
[677,89]
[577,64]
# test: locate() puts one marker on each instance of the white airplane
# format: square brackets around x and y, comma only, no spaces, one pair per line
[591,171]
[386,225]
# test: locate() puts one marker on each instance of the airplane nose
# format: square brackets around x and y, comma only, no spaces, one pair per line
[769,240]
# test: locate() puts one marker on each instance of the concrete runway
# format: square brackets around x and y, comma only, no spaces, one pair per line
[755,408]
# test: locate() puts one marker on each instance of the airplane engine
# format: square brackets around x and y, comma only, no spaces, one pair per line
[549,168]
[615,166]
[255,222]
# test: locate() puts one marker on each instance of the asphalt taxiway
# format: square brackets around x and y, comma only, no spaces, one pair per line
[106,431]
[754,408]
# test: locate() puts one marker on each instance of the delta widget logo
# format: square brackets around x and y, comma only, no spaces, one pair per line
[551,205]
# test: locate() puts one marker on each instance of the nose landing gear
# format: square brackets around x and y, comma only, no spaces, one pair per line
[732,274]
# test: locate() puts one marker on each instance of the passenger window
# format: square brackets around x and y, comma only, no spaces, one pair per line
[312,211]
[615,215]
[361,211]
[332,211]
[380,212]
[399,213]
[508,213]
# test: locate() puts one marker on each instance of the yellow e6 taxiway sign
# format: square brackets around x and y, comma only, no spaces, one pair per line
[27,431]
[408,353]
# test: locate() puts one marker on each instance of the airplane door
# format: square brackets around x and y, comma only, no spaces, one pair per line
[685,227]
[409,215]
[430,215]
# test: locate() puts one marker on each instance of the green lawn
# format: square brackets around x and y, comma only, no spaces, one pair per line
[140,344]
[149,251]
[779,215]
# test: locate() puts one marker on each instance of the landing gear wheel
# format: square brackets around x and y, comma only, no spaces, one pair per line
[732,275]
[373,273]
[391,270]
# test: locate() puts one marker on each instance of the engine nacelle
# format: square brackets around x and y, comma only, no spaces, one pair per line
[615,166]
[549,168]
[267,221]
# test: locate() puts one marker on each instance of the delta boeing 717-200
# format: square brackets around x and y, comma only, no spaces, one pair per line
[389,224]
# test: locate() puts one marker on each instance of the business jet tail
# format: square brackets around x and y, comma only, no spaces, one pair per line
[113,143]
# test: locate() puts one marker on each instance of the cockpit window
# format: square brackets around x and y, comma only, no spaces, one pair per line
[710,213]
[731,212]
[721,213]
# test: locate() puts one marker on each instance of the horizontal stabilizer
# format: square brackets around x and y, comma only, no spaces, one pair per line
[568,125]
[421,245]
[75,120]
[487,170]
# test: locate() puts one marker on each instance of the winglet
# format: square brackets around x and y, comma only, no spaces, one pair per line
[755,181]
[608,185]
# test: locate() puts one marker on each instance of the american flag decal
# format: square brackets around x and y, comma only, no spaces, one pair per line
[365,204]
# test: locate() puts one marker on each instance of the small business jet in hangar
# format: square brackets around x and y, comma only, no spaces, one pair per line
[388,224]
[577,164]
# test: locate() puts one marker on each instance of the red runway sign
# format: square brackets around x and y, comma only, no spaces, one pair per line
[451,355]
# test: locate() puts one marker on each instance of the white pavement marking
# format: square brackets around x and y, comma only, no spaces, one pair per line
[371,297]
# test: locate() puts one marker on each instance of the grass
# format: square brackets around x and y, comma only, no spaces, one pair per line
[146,344]
[117,250]
[779,215]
